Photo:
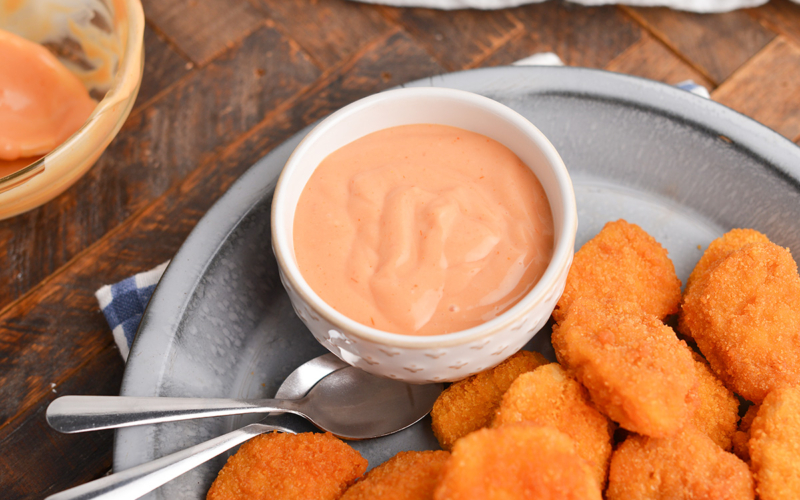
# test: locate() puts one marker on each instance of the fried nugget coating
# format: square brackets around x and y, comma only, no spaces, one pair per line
[744,315]
[517,461]
[636,370]
[549,396]
[623,263]
[775,445]
[287,467]
[718,408]
[722,247]
[741,438]
[687,466]
[469,404]
[409,475]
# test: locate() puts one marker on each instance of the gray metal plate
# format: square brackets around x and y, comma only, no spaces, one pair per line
[684,168]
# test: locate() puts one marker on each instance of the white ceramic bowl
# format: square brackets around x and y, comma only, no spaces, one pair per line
[437,358]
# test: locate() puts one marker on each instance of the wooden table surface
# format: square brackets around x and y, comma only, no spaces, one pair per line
[228,80]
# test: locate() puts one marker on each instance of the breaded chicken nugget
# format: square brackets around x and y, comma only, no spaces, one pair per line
[720,248]
[549,396]
[469,404]
[636,370]
[287,467]
[687,466]
[517,462]
[775,445]
[409,475]
[623,263]
[718,409]
[741,438]
[745,318]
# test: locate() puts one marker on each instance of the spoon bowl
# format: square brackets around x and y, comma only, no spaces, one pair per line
[379,407]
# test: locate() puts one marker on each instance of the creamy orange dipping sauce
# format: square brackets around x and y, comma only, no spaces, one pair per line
[423,230]
[41,102]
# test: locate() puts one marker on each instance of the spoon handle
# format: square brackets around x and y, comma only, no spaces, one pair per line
[138,481]
[70,414]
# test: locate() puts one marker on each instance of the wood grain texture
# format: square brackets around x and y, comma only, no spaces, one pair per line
[202,29]
[157,148]
[781,16]
[33,450]
[715,44]
[162,67]
[389,62]
[330,30]
[649,58]
[458,39]
[767,88]
[580,36]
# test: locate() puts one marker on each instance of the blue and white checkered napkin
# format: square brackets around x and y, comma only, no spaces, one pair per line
[124,303]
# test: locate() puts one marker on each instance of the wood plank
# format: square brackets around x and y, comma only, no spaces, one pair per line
[781,16]
[330,30]
[201,29]
[581,36]
[38,461]
[50,332]
[715,44]
[767,88]
[458,39]
[162,67]
[156,148]
[650,58]
[389,62]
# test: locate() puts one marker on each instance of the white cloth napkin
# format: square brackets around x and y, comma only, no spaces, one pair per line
[691,5]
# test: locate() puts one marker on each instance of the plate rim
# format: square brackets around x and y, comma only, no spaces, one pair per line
[172,295]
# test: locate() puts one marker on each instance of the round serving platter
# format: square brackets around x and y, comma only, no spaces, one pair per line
[684,168]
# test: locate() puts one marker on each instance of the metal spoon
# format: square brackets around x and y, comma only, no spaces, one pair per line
[142,479]
[377,407]
[73,414]
[306,376]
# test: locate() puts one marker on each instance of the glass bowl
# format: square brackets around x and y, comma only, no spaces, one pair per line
[102,42]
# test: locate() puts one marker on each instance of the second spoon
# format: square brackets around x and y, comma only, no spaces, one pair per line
[378,407]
